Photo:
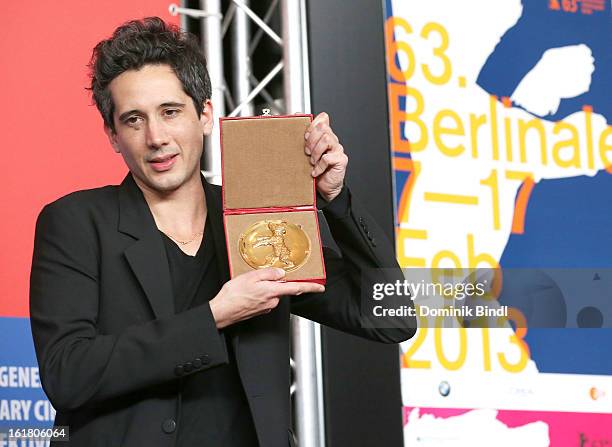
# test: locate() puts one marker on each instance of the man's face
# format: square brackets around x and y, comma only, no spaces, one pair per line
[157,129]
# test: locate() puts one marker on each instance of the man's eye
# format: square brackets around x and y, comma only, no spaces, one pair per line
[171,113]
[132,120]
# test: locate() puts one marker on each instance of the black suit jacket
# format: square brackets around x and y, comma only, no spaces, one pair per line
[110,347]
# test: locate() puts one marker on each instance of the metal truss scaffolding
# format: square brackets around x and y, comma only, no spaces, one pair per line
[234,25]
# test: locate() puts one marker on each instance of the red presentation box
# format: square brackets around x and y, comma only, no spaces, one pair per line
[269,197]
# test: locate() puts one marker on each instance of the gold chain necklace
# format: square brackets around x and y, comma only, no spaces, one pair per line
[195,236]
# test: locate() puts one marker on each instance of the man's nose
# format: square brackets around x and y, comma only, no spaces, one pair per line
[157,135]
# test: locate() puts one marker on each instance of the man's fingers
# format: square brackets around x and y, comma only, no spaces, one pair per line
[295,288]
[312,138]
[330,159]
[267,274]
[272,303]
[321,166]
[321,119]
[318,128]
[328,143]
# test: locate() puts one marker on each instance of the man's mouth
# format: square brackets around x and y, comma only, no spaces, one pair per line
[163,162]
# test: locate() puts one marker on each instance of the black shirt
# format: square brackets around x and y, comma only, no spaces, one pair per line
[213,408]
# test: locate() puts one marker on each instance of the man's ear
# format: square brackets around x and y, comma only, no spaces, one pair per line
[206,118]
[112,138]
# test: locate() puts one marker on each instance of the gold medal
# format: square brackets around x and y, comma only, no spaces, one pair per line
[274,243]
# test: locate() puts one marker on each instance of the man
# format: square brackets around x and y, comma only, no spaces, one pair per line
[141,338]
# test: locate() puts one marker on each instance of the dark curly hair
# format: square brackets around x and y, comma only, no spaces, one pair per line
[142,42]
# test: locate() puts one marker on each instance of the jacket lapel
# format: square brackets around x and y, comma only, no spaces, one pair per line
[215,219]
[214,204]
[147,255]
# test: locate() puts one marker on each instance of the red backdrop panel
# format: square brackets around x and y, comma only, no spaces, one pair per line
[52,136]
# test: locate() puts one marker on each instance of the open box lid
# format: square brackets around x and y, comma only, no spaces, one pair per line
[264,164]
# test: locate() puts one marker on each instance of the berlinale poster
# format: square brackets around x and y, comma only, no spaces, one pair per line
[502,157]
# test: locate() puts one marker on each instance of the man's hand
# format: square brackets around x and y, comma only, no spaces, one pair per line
[327,157]
[254,293]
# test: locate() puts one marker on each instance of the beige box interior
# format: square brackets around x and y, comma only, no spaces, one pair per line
[264,164]
[236,224]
